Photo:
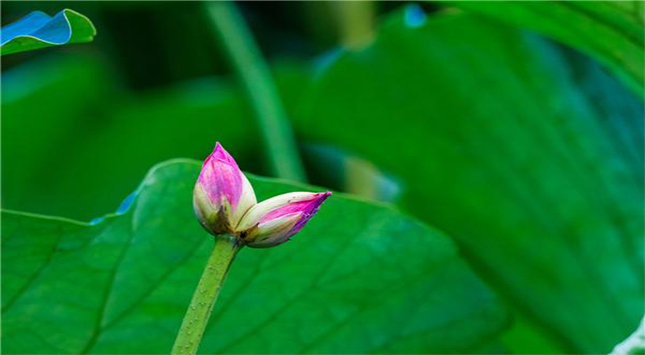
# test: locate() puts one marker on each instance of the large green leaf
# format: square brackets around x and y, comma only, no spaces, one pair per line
[359,278]
[39,30]
[612,31]
[497,142]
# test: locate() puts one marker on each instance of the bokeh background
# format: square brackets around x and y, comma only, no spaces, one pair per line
[525,145]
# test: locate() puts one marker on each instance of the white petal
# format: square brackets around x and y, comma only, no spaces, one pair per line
[255,213]
[275,231]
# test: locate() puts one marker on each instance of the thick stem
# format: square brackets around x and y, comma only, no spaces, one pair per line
[254,73]
[200,308]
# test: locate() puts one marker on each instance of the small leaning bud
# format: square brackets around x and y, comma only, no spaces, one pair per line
[225,203]
[276,220]
[222,194]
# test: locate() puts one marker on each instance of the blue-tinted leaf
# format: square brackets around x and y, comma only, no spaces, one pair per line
[38,30]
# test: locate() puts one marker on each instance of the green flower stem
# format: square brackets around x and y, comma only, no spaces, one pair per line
[247,60]
[355,21]
[200,308]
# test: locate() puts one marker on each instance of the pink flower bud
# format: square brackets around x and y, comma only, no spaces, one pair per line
[277,219]
[222,194]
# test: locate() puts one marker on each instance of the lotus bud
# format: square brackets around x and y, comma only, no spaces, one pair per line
[222,194]
[276,220]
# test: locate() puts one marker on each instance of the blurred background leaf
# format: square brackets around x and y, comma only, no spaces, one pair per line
[496,143]
[39,30]
[347,283]
[611,31]
[114,141]
[50,106]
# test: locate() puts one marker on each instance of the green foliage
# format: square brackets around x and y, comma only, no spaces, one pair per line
[526,152]
[359,278]
[498,143]
[91,137]
[612,31]
[51,110]
[37,30]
